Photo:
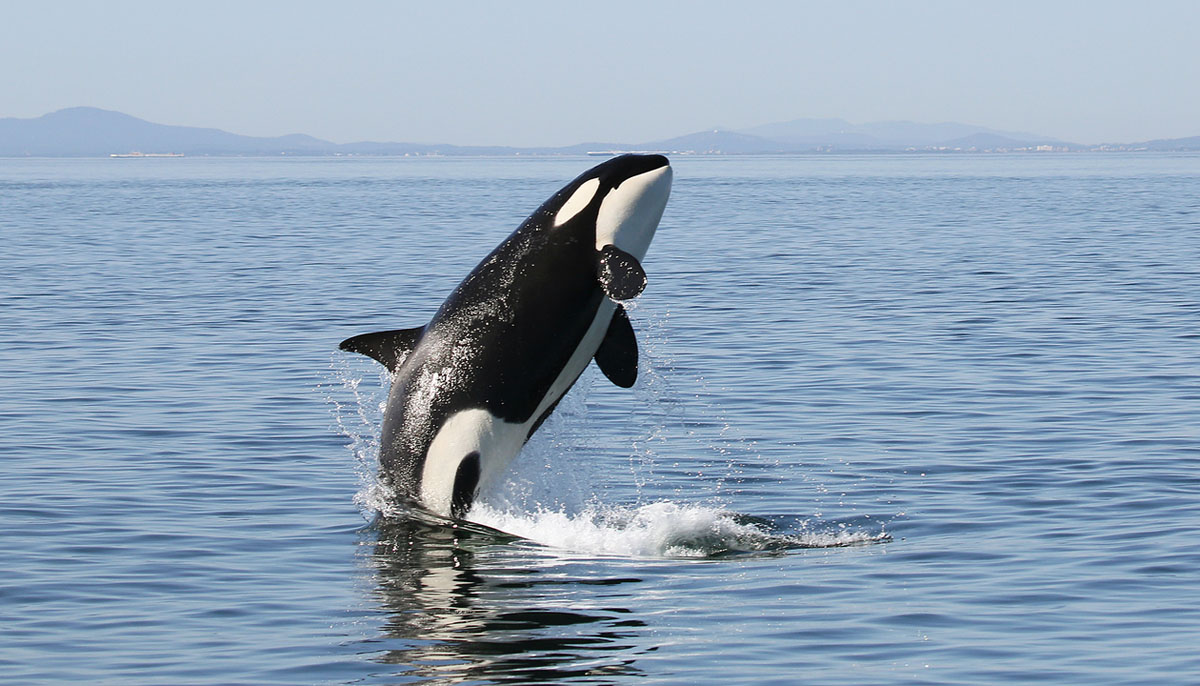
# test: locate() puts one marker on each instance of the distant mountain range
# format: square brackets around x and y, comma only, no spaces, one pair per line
[92,132]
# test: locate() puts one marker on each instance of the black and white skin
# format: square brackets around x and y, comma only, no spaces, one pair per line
[471,387]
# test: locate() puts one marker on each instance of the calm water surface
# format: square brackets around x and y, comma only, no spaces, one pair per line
[901,420]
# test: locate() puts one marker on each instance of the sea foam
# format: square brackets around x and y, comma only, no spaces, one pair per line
[662,529]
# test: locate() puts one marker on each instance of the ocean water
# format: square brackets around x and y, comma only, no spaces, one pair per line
[900,420]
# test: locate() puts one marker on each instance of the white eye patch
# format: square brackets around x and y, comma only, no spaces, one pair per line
[578,200]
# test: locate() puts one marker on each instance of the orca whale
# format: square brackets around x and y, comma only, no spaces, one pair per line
[470,387]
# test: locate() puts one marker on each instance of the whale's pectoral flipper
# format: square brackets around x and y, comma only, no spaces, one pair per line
[617,355]
[621,276]
[385,347]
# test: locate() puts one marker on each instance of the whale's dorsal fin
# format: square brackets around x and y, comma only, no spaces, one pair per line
[621,277]
[386,347]
[617,355]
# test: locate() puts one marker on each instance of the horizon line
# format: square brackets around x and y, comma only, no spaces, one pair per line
[717,129]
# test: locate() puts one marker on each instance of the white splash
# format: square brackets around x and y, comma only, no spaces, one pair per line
[556,493]
[661,529]
[358,419]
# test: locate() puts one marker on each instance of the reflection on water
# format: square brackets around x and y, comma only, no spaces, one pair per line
[467,603]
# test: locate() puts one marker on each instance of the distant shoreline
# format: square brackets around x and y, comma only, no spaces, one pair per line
[93,132]
[543,156]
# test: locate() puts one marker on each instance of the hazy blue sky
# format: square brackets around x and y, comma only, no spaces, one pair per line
[547,73]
